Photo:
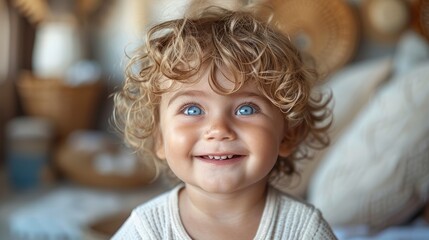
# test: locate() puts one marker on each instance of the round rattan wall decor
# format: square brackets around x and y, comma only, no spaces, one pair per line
[328,30]
[421,17]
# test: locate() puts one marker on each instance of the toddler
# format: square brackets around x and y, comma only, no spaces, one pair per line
[224,100]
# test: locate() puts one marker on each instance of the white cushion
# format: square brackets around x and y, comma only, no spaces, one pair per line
[352,88]
[412,49]
[378,172]
[350,95]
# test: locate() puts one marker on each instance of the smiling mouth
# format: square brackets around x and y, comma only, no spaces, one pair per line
[220,157]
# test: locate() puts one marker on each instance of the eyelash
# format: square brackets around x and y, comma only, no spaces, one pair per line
[188,104]
[253,105]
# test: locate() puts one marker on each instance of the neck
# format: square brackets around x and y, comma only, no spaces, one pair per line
[234,215]
[222,205]
[225,213]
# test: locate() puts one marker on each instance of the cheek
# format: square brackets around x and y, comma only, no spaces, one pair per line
[264,140]
[178,139]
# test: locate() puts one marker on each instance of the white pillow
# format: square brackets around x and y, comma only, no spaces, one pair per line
[378,172]
[412,49]
[352,87]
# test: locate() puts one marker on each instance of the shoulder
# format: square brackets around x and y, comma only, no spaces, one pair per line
[154,208]
[299,217]
[150,219]
[292,203]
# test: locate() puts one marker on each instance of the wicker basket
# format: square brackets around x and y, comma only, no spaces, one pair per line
[327,30]
[78,166]
[69,108]
[420,13]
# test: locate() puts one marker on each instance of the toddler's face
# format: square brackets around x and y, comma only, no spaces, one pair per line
[220,143]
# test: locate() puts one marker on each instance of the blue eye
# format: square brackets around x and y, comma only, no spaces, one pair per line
[246,110]
[193,110]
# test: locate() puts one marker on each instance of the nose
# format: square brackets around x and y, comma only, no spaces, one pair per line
[220,129]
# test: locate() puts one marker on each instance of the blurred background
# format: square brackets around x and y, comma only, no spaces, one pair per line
[64,173]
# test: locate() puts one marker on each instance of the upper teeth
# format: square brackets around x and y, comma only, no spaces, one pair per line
[220,157]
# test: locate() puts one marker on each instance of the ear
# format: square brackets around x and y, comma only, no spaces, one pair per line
[159,145]
[159,151]
[286,148]
[291,139]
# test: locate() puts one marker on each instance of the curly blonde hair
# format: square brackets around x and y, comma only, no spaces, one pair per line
[252,49]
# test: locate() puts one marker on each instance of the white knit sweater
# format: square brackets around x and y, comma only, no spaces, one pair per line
[283,218]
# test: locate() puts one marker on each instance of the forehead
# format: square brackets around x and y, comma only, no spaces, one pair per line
[220,80]
[201,89]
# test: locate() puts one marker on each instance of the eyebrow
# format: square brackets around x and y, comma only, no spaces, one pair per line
[186,93]
[197,93]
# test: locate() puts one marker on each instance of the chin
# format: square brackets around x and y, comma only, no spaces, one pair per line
[219,187]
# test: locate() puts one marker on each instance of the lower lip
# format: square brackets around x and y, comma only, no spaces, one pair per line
[222,162]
